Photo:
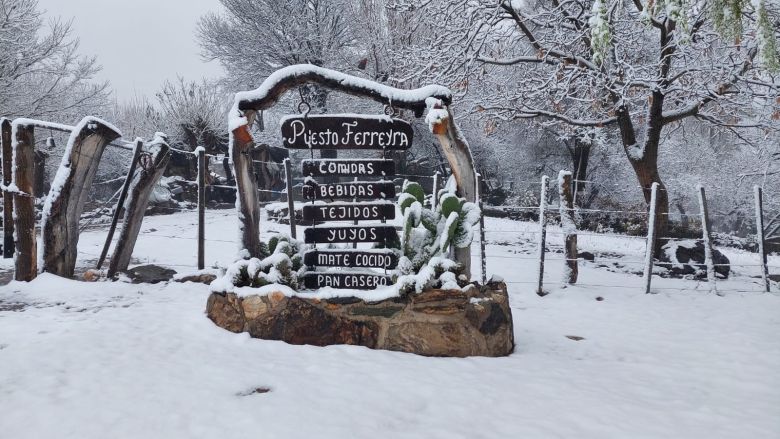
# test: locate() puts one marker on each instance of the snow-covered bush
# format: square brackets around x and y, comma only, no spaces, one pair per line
[429,233]
[281,264]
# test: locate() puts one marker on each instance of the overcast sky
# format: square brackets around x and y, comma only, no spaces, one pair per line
[139,43]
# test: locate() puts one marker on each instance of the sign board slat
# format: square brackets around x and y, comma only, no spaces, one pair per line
[354,281]
[348,168]
[327,235]
[387,260]
[358,190]
[349,212]
[346,131]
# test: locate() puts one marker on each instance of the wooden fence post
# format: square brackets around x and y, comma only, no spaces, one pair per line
[651,238]
[482,256]
[26,265]
[706,230]
[435,196]
[8,197]
[569,226]
[290,200]
[121,201]
[63,206]
[759,196]
[142,187]
[201,207]
[542,233]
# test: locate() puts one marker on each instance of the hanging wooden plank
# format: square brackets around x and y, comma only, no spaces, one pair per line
[342,234]
[348,212]
[346,131]
[385,258]
[346,280]
[362,190]
[138,200]
[348,168]
[65,202]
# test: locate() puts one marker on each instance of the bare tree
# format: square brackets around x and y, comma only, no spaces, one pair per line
[633,67]
[41,72]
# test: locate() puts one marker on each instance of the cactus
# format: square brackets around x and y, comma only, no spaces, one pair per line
[281,262]
[429,233]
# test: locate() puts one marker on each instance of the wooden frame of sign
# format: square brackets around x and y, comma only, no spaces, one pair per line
[361,190]
[349,234]
[348,168]
[346,279]
[386,259]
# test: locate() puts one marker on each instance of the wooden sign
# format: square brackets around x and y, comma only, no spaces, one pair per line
[340,234]
[358,190]
[385,259]
[346,131]
[348,212]
[348,168]
[356,281]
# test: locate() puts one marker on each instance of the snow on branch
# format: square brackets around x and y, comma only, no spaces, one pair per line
[286,78]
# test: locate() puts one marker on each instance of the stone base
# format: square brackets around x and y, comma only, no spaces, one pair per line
[443,323]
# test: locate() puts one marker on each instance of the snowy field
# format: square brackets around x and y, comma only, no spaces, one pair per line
[98,360]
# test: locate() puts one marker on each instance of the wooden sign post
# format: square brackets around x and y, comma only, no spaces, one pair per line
[368,200]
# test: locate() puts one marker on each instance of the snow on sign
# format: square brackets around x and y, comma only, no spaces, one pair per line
[357,190]
[346,131]
[348,211]
[386,259]
[350,280]
[348,168]
[342,234]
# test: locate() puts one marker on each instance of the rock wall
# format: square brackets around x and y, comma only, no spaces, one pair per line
[447,323]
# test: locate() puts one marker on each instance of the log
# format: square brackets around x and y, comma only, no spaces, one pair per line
[26,265]
[68,194]
[246,184]
[137,201]
[8,197]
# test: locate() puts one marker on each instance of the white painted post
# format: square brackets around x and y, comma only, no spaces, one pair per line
[651,237]
[707,237]
[759,196]
[542,233]
[435,196]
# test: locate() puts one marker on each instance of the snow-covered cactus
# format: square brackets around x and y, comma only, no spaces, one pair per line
[428,233]
[280,265]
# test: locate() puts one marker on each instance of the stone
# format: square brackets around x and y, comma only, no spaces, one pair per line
[149,274]
[447,323]
[91,275]
[586,256]
[200,278]
[690,256]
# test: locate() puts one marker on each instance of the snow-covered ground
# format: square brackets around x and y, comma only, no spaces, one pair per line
[96,360]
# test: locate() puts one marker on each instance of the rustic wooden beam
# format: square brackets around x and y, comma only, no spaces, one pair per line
[288,78]
[246,195]
[202,170]
[70,188]
[138,200]
[8,197]
[26,264]
[120,203]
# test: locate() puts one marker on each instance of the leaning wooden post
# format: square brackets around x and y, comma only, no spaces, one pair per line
[290,201]
[706,231]
[201,151]
[542,233]
[759,196]
[138,200]
[69,191]
[139,144]
[651,237]
[482,256]
[26,264]
[569,226]
[8,196]
[247,203]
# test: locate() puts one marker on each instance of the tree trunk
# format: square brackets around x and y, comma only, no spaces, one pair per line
[246,195]
[8,197]
[138,200]
[580,157]
[26,256]
[65,202]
